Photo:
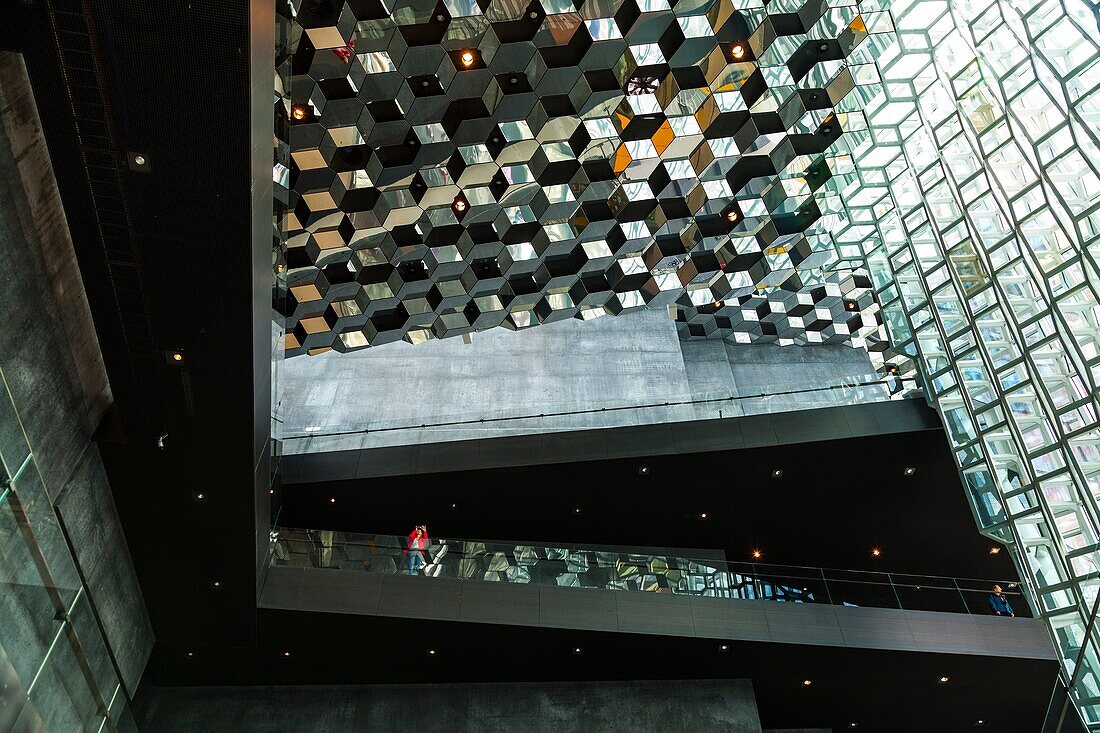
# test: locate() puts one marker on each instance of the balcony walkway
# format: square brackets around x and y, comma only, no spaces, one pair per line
[643,594]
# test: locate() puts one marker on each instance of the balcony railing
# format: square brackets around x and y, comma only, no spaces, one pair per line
[626,570]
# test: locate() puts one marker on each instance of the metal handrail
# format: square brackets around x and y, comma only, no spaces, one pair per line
[399,544]
[675,574]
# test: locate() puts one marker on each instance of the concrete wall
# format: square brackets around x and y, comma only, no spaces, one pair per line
[566,367]
[699,706]
[56,394]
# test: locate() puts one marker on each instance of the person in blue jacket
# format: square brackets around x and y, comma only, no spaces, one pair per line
[999,603]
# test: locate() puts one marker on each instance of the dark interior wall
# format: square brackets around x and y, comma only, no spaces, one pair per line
[882,690]
[165,254]
[835,501]
[725,706]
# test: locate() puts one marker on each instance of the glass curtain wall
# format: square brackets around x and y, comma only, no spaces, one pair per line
[56,671]
[971,188]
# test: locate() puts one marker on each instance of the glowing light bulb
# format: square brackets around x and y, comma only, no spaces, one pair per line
[298,112]
[467,58]
[737,50]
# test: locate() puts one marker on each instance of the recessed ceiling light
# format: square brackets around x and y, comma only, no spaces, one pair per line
[138,162]
[731,216]
[724,648]
[190,654]
[216,584]
[777,473]
[298,112]
[823,47]
[332,500]
[286,654]
[576,510]
[578,650]
[703,515]
[807,683]
[643,470]
[851,305]
[875,551]
[431,652]
[994,550]
[757,554]
[944,680]
[467,58]
[737,50]
[909,471]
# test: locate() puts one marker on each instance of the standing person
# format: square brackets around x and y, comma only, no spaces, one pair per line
[999,603]
[414,549]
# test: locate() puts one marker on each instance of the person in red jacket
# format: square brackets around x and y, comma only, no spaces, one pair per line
[414,550]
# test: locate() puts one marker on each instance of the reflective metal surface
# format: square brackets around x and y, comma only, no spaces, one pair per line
[458,166]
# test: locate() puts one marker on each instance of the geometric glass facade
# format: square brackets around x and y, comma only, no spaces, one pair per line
[973,195]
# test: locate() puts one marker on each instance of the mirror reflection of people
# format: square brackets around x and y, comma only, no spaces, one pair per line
[414,549]
[998,601]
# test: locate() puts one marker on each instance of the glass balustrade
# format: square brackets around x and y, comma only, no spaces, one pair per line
[622,569]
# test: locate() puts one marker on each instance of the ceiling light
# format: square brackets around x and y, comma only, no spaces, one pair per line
[578,650]
[757,554]
[737,50]
[944,680]
[190,654]
[440,17]
[332,500]
[216,584]
[823,47]
[875,551]
[995,550]
[731,216]
[459,205]
[643,470]
[851,305]
[139,159]
[703,515]
[576,510]
[198,496]
[431,652]
[777,473]
[467,58]
[910,471]
[718,304]
[979,722]
[298,112]
[724,648]
[807,683]
[286,654]
[177,356]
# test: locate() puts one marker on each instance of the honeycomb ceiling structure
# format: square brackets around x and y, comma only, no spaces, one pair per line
[462,165]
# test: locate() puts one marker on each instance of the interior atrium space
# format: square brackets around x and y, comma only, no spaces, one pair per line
[550,365]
